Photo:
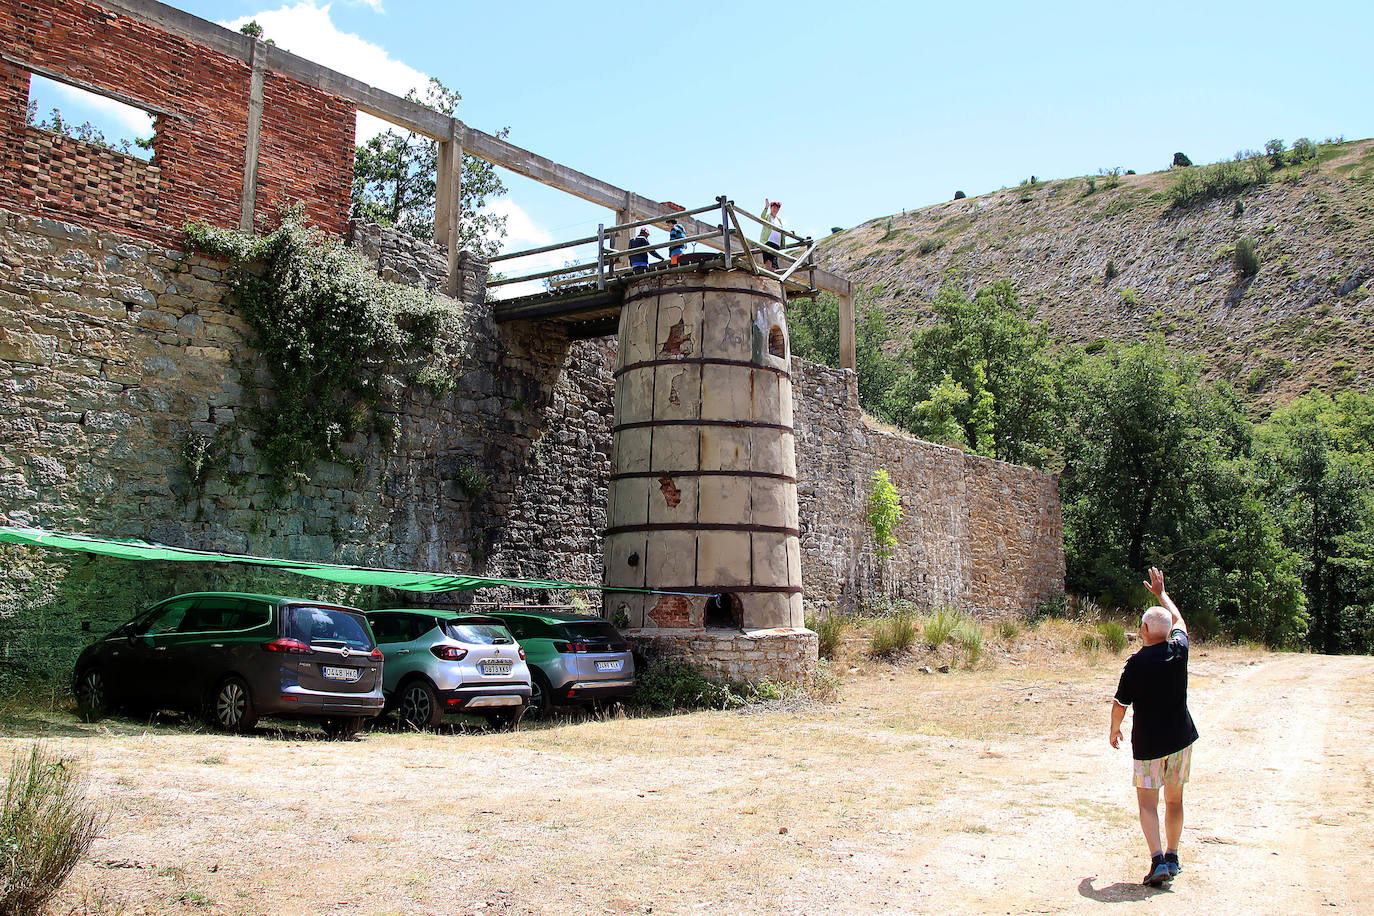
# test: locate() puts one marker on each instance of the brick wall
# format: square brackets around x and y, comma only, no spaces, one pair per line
[306,135]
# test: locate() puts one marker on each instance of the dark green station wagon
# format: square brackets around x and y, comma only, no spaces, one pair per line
[235,657]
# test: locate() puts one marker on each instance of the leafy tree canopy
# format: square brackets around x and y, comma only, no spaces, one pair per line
[395,181]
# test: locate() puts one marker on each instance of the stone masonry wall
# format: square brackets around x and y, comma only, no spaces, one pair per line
[979,533]
[200,98]
[115,355]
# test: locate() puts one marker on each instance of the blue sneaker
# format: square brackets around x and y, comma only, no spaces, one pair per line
[1171,860]
[1159,873]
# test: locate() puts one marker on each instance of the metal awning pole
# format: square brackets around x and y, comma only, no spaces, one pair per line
[725,228]
[600,255]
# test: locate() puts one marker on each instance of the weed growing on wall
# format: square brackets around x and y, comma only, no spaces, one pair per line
[884,512]
[332,333]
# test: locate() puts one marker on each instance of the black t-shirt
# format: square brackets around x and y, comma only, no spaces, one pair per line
[1155,682]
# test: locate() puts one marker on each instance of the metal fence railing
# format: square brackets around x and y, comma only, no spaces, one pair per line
[727,237]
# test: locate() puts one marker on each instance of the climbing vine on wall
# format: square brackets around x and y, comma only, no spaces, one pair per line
[341,343]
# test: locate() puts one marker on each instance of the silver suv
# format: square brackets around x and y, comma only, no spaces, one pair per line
[441,661]
[575,660]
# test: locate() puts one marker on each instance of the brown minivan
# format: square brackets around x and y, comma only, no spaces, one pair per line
[235,657]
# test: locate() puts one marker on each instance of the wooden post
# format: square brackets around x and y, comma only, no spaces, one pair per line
[848,360]
[448,206]
[621,217]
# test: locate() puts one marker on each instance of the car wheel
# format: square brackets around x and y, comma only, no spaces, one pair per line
[343,728]
[541,696]
[92,695]
[419,706]
[231,708]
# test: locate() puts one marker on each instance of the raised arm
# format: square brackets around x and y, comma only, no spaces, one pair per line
[1156,586]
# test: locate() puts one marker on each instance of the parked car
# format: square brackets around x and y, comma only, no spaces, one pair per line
[234,657]
[574,659]
[441,662]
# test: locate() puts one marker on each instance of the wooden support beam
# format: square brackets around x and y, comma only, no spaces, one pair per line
[248,202]
[451,183]
[848,356]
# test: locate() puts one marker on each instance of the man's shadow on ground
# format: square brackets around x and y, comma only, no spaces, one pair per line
[1120,892]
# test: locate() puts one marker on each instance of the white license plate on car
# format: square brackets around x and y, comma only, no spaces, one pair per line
[495,668]
[609,666]
[342,674]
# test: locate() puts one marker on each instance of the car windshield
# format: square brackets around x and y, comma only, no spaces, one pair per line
[480,634]
[327,626]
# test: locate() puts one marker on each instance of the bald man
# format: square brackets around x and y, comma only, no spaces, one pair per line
[1155,682]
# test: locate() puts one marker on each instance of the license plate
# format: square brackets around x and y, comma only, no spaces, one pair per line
[495,668]
[609,666]
[342,674]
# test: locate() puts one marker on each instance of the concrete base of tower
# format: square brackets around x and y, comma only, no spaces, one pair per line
[783,655]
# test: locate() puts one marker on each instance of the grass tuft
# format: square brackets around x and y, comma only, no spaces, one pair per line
[830,631]
[893,635]
[938,625]
[46,826]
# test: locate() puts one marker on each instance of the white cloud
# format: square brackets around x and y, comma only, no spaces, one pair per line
[308,30]
[374,5]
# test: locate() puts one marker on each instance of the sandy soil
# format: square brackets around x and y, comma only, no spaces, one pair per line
[985,792]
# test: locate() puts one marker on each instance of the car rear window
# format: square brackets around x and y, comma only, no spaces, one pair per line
[598,631]
[480,634]
[326,625]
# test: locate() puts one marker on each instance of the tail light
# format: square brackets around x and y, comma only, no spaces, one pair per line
[561,646]
[375,655]
[522,654]
[288,646]
[449,653]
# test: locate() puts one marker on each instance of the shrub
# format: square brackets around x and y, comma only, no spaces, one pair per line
[1111,272]
[1090,643]
[674,685]
[1089,186]
[830,630]
[959,195]
[937,626]
[46,826]
[884,512]
[968,636]
[892,635]
[1274,150]
[1110,177]
[1246,259]
[1129,297]
[1008,628]
[1181,161]
[1194,187]
[1303,150]
[1113,635]
[930,244]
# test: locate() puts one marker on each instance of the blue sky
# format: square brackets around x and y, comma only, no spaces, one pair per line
[847,112]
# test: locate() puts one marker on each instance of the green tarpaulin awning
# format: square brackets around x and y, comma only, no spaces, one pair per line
[406,580]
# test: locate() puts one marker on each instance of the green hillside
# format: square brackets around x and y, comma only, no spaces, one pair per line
[1305,319]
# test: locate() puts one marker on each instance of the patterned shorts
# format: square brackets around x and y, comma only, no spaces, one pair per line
[1164,771]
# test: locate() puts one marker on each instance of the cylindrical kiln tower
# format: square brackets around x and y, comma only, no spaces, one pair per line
[703,489]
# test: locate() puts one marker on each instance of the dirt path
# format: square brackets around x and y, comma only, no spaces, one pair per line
[989,792]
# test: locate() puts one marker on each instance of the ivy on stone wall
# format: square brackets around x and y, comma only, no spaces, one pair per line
[341,343]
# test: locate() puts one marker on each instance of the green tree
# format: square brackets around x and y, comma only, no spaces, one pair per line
[395,178]
[814,325]
[1318,457]
[992,348]
[86,132]
[1159,471]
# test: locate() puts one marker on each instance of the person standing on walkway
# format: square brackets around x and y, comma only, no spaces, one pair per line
[1155,683]
[640,262]
[772,233]
[675,233]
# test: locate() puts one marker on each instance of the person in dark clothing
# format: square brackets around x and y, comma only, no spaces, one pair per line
[1155,683]
[640,262]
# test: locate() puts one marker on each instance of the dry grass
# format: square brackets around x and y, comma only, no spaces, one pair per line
[912,793]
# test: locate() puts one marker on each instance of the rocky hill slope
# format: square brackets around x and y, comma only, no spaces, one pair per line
[1305,319]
